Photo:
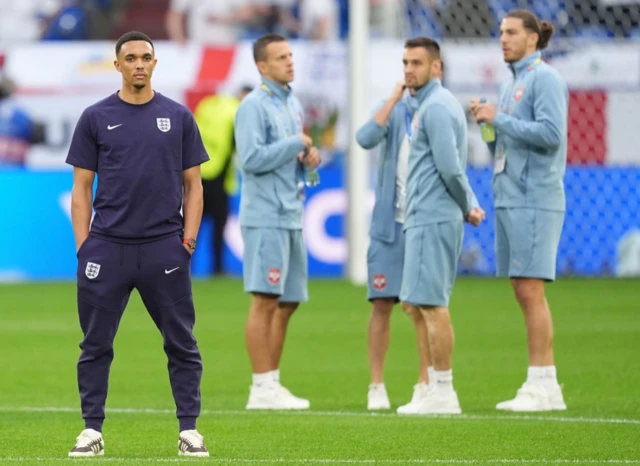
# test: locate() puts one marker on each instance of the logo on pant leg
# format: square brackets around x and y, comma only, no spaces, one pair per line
[273,276]
[379,282]
[92,270]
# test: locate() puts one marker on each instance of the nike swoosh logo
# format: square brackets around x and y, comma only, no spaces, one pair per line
[113,127]
[167,272]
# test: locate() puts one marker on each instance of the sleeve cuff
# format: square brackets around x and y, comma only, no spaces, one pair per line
[80,164]
[500,120]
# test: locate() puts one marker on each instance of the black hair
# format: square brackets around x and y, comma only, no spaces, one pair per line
[131,36]
[260,46]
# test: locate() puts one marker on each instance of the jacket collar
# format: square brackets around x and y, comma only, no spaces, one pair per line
[530,60]
[272,88]
[426,90]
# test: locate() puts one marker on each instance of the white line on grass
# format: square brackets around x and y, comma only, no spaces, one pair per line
[329,460]
[463,417]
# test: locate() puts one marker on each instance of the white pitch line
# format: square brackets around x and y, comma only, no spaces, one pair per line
[327,460]
[463,417]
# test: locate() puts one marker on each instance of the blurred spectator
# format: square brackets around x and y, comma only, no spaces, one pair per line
[17,130]
[319,19]
[272,16]
[208,21]
[215,117]
[85,20]
[25,19]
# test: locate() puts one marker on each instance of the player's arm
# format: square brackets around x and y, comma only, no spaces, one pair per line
[438,123]
[193,202]
[374,130]
[550,109]
[255,156]
[81,203]
[174,21]
[83,155]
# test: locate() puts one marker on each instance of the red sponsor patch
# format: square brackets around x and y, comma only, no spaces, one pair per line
[518,94]
[379,282]
[273,276]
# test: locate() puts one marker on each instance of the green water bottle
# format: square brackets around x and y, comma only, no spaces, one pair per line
[487,131]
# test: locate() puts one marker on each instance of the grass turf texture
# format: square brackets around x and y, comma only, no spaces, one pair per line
[325,359]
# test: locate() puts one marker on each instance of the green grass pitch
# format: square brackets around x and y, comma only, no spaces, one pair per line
[597,353]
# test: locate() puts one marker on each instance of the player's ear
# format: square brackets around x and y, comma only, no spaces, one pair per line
[116,65]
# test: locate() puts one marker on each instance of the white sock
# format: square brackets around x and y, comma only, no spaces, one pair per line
[536,374]
[377,385]
[262,379]
[550,377]
[275,374]
[430,374]
[443,380]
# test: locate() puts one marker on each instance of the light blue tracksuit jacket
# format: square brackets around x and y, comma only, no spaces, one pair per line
[531,129]
[390,136]
[267,125]
[437,186]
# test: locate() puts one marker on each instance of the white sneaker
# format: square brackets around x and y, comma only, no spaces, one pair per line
[274,396]
[420,393]
[529,398]
[377,397]
[88,443]
[295,401]
[556,399]
[191,443]
[436,402]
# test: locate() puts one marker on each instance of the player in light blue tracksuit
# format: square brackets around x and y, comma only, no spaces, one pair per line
[389,128]
[271,153]
[530,156]
[439,200]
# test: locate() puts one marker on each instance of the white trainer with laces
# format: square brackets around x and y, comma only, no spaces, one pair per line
[436,402]
[377,397]
[420,393]
[274,396]
[292,400]
[529,398]
[191,443]
[88,443]
[556,399]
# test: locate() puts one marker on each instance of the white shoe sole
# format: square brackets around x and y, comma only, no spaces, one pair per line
[258,406]
[380,407]
[523,409]
[200,454]
[85,454]
[433,411]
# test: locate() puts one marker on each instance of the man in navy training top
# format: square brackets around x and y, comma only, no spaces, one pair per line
[147,151]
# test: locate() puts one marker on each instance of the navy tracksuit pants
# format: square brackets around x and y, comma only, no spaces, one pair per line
[160,271]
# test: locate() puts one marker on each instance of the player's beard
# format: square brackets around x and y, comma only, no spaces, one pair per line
[140,86]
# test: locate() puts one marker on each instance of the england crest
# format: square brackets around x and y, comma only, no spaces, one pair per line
[92,270]
[164,124]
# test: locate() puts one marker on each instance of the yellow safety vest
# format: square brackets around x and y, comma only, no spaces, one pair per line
[215,117]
